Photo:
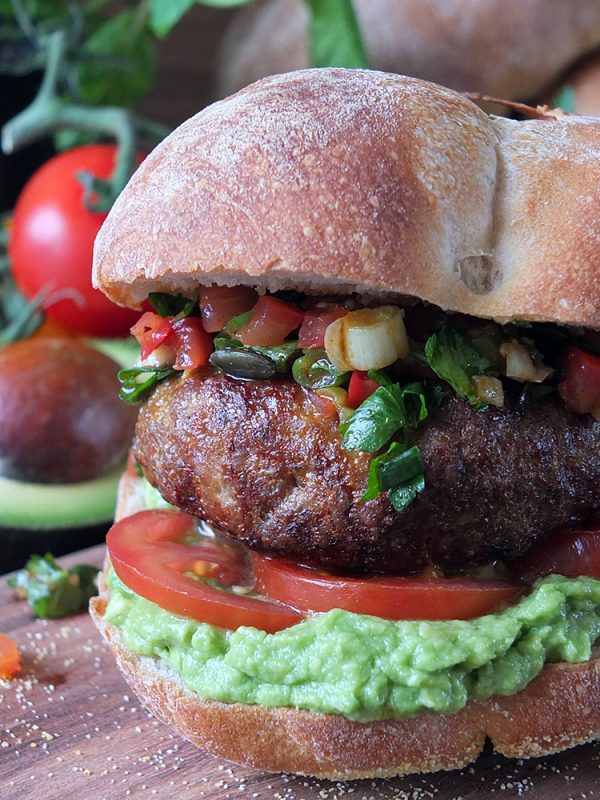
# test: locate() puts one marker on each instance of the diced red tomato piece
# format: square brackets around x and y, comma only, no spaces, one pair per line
[151,330]
[316,322]
[581,387]
[191,343]
[219,304]
[359,388]
[10,662]
[324,405]
[271,321]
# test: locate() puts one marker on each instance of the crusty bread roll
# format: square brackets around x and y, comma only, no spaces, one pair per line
[557,710]
[358,181]
[507,48]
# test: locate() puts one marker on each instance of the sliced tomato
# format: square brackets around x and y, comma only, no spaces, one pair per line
[359,388]
[314,325]
[572,553]
[151,330]
[219,304]
[191,343]
[10,662]
[148,554]
[381,596]
[581,387]
[271,321]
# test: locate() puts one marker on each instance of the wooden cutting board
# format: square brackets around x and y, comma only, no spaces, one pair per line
[69,726]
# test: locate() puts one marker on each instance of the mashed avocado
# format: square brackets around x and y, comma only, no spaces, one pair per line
[364,667]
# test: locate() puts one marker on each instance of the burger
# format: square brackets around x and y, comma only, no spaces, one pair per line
[359,531]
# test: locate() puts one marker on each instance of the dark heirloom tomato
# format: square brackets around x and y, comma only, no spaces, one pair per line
[52,239]
[581,387]
[219,304]
[571,553]
[149,556]
[271,321]
[388,597]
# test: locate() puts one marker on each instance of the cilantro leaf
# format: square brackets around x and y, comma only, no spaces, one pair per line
[52,591]
[456,361]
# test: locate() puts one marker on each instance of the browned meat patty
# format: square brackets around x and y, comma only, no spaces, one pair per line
[259,460]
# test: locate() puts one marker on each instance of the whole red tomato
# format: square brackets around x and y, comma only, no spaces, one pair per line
[52,239]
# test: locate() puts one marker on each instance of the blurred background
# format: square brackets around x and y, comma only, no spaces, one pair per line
[87,90]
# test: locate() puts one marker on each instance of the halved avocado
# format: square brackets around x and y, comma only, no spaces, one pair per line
[56,518]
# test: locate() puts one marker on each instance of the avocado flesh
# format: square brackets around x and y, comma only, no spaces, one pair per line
[41,506]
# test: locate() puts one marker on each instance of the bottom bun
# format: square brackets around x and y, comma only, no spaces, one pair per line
[557,710]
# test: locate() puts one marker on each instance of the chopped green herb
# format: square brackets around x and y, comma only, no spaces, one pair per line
[385,412]
[402,496]
[396,467]
[455,360]
[138,381]
[236,323]
[52,591]
[171,305]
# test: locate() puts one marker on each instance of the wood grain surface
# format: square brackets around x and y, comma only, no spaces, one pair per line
[69,726]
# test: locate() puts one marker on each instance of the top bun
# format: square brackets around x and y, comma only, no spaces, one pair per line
[340,181]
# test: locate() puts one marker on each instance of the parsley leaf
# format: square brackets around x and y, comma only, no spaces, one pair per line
[171,305]
[52,591]
[451,356]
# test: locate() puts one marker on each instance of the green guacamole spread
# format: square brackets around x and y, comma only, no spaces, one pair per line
[364,667]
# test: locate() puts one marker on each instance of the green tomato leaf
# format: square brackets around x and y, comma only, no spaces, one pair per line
[120,61]
[52,591]
[335,39]
[165,14]
[456,361]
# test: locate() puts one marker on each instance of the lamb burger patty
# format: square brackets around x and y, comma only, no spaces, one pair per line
[259,460]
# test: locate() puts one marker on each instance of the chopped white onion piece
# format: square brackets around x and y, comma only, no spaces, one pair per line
[163,356]
[370,338]
[519,364]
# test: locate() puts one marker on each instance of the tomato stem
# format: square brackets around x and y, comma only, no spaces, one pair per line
[51,111]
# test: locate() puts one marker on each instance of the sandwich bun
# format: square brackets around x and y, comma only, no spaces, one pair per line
[338,181]
[557,710]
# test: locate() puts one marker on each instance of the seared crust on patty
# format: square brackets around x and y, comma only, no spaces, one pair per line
[261,462]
